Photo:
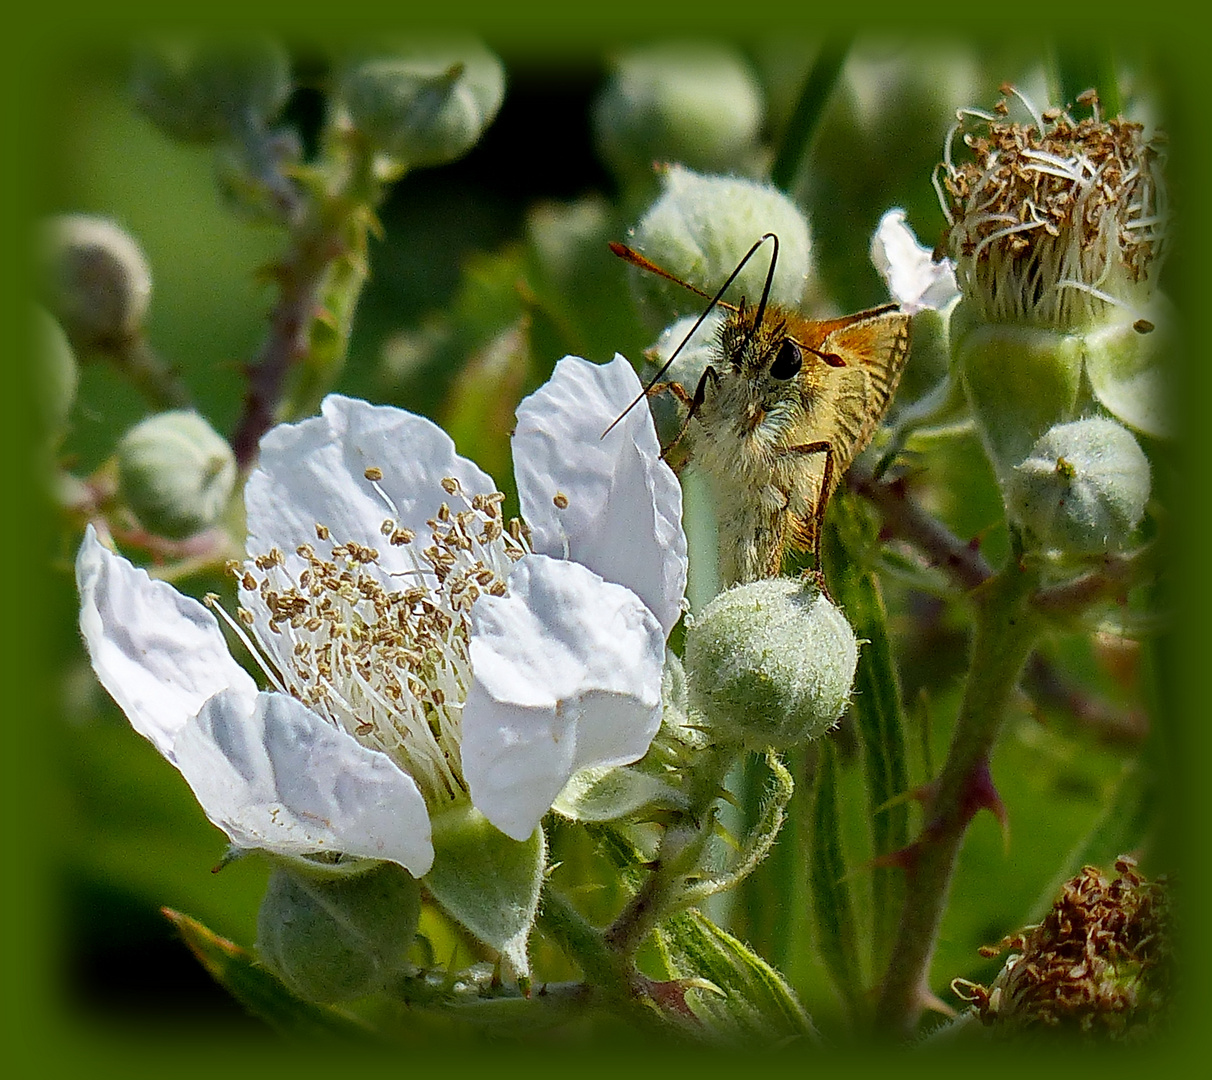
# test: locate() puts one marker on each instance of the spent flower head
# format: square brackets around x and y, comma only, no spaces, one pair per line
[1101,963]
[1053,221]
[1058,233]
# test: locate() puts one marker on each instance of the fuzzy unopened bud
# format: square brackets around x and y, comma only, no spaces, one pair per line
[176,473]
[1083,488]
[94,279]
[56,376]
[702,226]
[696,104]
[338,936]
[205,91]
[424,105]
[770,664]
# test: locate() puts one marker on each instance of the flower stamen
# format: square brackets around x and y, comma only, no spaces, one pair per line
[388,665]
[1048,204]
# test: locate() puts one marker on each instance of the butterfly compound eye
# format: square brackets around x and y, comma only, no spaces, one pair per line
[787,361]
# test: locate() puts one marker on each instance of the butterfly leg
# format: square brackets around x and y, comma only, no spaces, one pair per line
[693,404]
[825,447]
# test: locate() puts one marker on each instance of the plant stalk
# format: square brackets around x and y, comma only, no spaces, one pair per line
[1006,629]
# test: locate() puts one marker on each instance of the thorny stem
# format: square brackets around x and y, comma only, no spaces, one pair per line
[903,516]
[1006,627]
[320,240]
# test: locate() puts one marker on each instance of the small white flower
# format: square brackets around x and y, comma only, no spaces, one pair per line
[419,652]
[915,280]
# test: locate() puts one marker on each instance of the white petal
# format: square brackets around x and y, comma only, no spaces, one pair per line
[274,775]
[566,674]
[914,279]
[158,653]
[315,472]
[624,514]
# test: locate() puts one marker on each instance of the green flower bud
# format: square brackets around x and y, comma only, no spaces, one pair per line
[696,352]
[699,230]
[176,473]
[426,104]
[1083,488]
[697,104]
[94,279]
[770,664]
[338,936]
[564,237]
[56,375]
[201,92]
[1019,381]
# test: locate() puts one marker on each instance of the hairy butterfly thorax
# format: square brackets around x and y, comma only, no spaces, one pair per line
[780,412]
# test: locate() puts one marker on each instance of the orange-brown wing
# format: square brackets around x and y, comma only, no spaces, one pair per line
[853,377]
[872,350]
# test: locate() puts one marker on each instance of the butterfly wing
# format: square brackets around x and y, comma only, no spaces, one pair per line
[850,383]
[873,348]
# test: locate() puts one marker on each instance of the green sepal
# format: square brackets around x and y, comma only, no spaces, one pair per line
[613,794]
[260,992]
[1126,365]
[1019,380]
[337,933]
[748,998]
[487,882]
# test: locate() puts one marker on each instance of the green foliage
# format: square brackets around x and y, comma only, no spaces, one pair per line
[453,292]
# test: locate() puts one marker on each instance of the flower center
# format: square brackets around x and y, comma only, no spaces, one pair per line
[1052,222]
[382,653]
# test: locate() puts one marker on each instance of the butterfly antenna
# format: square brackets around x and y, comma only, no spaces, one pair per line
[627,253]
[761,308]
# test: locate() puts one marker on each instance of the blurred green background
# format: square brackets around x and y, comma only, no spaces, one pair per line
[490,270]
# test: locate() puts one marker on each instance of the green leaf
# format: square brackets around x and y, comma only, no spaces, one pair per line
[817,90]
[837,939]
[237,971]
[877,706]
[748,998]
[487,882]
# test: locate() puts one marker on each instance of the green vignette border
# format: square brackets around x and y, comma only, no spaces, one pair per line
[41,1033]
